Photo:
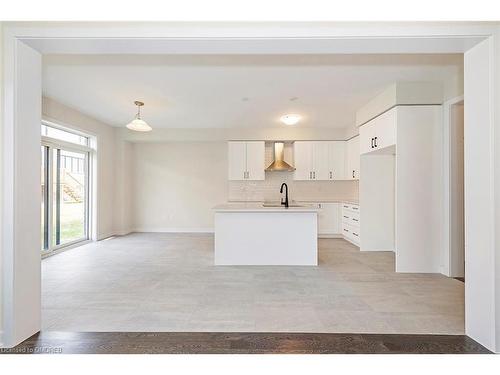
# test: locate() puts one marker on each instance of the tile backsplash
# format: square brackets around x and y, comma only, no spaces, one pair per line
[268,190]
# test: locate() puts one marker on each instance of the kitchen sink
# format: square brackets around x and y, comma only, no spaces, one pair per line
[278,204]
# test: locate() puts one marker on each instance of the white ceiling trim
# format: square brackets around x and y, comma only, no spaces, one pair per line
[268,46]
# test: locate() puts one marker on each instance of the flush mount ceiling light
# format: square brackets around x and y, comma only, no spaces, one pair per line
[290,119]
[138,124]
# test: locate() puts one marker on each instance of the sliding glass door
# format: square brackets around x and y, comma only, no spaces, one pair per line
[65,195]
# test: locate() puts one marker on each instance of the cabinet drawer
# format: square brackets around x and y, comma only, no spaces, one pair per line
[350,232]
[350,207]
[354,219]
[355,235]
[346,216]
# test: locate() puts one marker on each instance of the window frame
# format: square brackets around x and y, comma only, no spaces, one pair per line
[54,144]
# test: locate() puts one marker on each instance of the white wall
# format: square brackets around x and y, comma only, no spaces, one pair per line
[377,200]
[401,93]
[480,192]
[1,174]
[496,126]
[456,186]
[123,214]
[176,184]
[109,150]
[21,299]
[419,184]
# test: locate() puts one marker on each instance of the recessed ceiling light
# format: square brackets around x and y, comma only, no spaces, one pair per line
[290,119]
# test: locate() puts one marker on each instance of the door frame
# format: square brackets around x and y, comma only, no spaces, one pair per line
[29,40]
[448,253]
[54,144]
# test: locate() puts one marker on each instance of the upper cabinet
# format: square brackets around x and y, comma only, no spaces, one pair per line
[246,160]
[319,160]
[303,159]
[337,160]
[352,159]
[379,132]
[313,160]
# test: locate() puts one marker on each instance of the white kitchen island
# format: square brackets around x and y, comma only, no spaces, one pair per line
[252,234]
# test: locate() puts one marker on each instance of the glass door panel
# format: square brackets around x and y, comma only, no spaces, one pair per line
[45,198]
[70,196]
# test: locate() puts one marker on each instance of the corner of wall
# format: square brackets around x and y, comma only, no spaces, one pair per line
[1,173]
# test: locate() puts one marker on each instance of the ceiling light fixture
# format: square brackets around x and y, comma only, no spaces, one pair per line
[290,119]
[138,124]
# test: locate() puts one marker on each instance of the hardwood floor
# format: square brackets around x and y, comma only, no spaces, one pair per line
[242,343]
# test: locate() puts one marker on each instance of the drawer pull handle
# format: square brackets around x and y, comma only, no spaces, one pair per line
[345,230]
[354,219]
[347,217]
[355,234]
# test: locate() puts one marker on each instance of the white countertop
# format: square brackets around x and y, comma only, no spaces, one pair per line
[303,201]
[348,201]
[258,207]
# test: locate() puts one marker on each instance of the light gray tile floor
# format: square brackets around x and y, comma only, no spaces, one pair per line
[167,282]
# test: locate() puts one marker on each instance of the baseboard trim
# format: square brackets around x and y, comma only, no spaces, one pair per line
[326,235]
[123,232]
[174,230]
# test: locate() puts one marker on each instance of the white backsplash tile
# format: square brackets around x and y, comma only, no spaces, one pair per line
[268,190]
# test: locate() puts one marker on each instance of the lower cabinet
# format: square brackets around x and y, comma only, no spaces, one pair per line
[350,223]
[338,220]
[329,219]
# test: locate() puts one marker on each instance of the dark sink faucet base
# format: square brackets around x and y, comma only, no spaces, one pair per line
[285,202]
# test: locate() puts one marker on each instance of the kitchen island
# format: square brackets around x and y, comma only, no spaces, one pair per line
[260,234]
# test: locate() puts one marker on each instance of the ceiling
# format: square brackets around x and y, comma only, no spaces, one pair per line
[233,91]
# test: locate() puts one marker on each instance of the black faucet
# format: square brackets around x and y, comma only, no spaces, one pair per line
[286,194]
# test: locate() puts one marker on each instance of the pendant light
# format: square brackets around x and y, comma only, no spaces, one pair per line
[138,124]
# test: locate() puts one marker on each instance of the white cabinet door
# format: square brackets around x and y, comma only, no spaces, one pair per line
[352,156]
[385,130]
[303,160]
[255,160]
[366,137]
[237,160]
[321,160]
[379,133]
[336,156]
[329,218]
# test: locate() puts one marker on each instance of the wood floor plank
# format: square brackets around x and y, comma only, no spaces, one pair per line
[52,342]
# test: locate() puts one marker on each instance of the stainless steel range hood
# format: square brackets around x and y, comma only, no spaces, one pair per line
[279,164]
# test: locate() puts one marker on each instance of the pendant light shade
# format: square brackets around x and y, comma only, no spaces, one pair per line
[138,124]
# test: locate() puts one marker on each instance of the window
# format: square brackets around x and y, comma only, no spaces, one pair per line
[64,135]
[65,187]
